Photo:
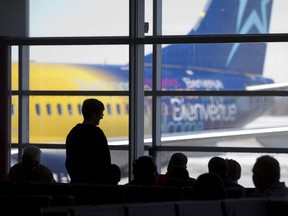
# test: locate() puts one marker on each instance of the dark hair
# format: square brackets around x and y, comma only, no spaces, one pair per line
[177,159]
[209,186]
[233,169]
[112,174]
[179,172]
[268,166]
[91,106]
[218,166]
[144,170]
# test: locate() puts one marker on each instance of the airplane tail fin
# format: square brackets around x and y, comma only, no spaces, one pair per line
[225,17]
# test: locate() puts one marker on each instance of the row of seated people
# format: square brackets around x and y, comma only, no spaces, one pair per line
[147,187]
[222,175]
[208,186]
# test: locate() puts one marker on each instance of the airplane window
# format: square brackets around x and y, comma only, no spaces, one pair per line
[38,111]
[70,110]
[127,108]
[118,109]
[49,109]
[13,109]
[59,109]
[147,110]
[109,109]
[79,109]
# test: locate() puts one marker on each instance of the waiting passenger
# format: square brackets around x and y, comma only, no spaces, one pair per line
[266,178]
[179,176]
[30,169]
[112,174]
[177,159]
[208,186]
[233,170]
[144,171]
[218,166]
[87,152]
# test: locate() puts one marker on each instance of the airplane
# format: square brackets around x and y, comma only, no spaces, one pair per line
[198,67]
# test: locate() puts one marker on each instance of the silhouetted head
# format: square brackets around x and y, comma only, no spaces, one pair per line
[266,171]
[112,174]
[31,157]
[218,166]
[145,170]
[92,110]
[177,159]
[179,172]
[233,169]
[209,186]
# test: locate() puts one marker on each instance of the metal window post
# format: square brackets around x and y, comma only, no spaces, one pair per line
[136,80]
[5,109]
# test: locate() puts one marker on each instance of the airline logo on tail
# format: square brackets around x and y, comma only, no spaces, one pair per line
[224,17]
[257,18]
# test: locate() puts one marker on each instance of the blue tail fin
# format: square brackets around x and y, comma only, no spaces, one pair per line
[225,17]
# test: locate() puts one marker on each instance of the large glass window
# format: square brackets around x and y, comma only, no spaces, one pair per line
[196,94]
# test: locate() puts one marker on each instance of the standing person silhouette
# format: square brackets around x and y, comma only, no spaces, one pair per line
[87,152]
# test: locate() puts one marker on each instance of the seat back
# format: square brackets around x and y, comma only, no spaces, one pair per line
[246,207]
[200,208]
[151,209]
[135,193]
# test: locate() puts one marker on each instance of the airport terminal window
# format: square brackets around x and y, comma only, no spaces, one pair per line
[188,71]
[95,19]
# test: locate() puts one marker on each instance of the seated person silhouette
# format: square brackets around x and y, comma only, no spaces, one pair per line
[179,176]
[112,174]
[266,178]
[208,186]
[144,171]
[177,159]
[30,169]
[218,165]
[233,170]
